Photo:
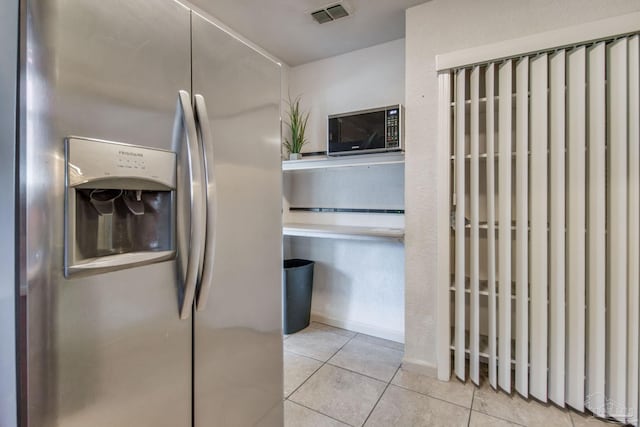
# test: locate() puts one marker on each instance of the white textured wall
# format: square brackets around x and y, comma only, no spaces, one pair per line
[366,78]
[442,26]
[357,284]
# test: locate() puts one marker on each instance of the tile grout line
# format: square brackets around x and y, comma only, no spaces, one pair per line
[360,373]
[380,397]
[355,336]
[304,355]
[391,347]
[380,346]
[304,382]
[356,372]
[320,413]
[433,397]
[476,388]
[323,330]
[388,383]
[473,397]
[343,345]
[334,332]
[516,423]
[314,372]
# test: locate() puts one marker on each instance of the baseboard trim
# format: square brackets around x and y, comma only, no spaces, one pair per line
[363,328]
[420,367]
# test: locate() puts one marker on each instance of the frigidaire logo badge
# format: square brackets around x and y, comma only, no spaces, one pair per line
[129,153]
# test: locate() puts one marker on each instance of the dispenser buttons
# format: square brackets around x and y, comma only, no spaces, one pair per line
[130,160]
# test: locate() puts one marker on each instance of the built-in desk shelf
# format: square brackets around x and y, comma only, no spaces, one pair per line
[322,162]
[343,232]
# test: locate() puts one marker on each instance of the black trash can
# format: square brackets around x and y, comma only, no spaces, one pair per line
[296,294]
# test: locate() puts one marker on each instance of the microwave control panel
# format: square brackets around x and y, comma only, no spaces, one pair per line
[392,125]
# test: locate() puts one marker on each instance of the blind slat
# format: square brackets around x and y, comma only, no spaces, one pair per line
[522,226]
[557,224]
[474,321]
[504,227]
[596,243]
[616,382]
[576,190]
[444,228]
[491,235]
[633,227]
[538,209]
[459,357]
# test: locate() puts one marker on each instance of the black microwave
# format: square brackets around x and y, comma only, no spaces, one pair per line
[368,131]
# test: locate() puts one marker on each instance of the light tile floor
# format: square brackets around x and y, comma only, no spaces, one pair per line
[334,377]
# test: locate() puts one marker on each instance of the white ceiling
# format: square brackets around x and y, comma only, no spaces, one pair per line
[286,29]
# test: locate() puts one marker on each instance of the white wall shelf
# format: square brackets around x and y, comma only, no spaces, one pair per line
[343,232]
[321,162]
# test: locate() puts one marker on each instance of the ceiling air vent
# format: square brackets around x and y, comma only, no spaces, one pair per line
[321,16]
[330,13]
[337,11]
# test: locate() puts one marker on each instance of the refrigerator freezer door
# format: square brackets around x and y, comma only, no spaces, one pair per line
[110,349]
[238,341]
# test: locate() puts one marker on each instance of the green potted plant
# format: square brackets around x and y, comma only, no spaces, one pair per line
[297,123]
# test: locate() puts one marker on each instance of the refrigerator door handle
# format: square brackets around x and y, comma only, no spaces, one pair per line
[196,204]
[202,119]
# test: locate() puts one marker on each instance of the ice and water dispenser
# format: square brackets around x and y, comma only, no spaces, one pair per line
[120,209]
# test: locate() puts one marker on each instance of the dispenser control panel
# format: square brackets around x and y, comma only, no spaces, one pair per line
[89,160]
[119,207]
[131,160]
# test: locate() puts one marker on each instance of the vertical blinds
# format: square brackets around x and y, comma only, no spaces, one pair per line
[545,153]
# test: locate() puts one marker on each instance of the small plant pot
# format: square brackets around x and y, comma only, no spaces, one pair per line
[295,156]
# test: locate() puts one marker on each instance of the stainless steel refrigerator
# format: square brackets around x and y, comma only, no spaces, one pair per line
[148,219]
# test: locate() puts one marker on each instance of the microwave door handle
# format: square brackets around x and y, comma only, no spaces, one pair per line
[202,119]
[190,242]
